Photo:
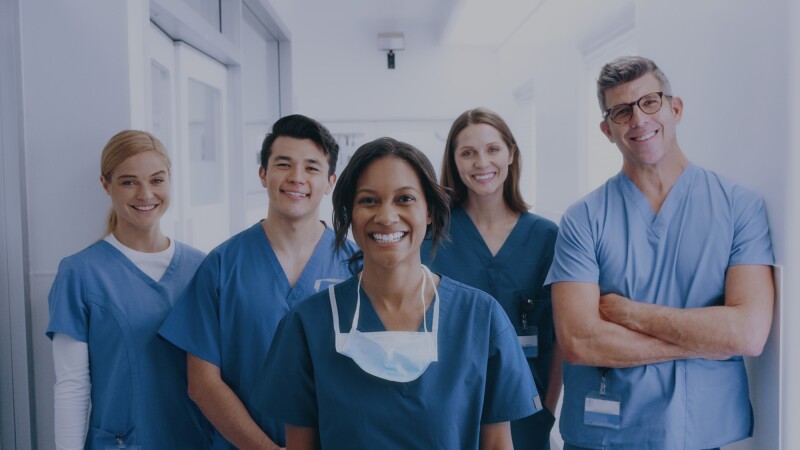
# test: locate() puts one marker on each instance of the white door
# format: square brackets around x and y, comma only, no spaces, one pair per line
[161,119]
[202,148]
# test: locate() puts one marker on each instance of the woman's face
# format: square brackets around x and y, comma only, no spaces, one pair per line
[390,213]
[482,159]
[139,191]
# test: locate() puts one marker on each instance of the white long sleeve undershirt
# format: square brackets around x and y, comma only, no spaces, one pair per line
[72,390]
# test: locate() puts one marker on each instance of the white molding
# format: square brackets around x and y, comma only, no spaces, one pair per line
[16,403]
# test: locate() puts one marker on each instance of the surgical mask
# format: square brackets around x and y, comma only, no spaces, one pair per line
[399,356]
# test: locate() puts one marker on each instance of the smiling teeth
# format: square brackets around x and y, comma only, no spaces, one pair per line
[144,207]
[296,194]
[484,176]
[645,137]
[388,238]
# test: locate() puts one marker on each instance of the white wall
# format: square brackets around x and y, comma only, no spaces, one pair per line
[341,75]
[791,309]
[76,90]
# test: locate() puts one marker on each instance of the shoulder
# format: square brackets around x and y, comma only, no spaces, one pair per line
[464,295]
[190,254]
[538,223]
[348,249]
[95,255]
[742,201]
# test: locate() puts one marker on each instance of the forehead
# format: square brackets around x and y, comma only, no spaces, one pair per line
[285,147]
[478,132]
[632,90]
[389,173]
[142,164]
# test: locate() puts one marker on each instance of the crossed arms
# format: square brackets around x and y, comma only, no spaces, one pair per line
[613,331]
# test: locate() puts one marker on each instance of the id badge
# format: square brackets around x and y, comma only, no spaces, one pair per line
[529,341]
[602,410]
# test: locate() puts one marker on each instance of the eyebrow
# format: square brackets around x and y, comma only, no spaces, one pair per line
[160,172]
[373,191]
[287,158]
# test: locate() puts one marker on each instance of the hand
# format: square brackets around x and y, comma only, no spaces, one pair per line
[616,309]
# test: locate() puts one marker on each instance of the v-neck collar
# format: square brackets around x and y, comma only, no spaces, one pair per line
[659,222]
[156,284]
[305,278]
[477,237]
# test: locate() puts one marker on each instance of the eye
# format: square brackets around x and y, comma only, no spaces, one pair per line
[312,169]
[466,153]
[127,183]
[620,111]
[159,181]
[494,149]
[282,165]
[406,198]
[367,201]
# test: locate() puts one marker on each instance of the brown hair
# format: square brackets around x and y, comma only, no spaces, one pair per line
[450,177]
[122,146]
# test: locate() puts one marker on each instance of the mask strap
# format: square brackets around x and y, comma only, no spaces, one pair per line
[435,325]
[334,309]
[358,303]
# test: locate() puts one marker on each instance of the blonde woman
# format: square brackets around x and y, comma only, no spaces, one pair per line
[106,304]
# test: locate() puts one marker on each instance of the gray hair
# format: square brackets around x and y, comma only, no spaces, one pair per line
[625,69]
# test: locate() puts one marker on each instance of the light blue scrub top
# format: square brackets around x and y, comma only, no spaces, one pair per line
[517,272]
[675,258]
[481,376]
[229,313]
[139,391]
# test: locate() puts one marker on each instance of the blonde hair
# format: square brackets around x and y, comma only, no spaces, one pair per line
[122,146]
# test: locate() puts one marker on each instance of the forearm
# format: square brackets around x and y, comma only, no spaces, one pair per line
[739,327]
[617,347]
[72,392]
[554,379]
[717,332]
[301,438]
[223,408]
[496,436]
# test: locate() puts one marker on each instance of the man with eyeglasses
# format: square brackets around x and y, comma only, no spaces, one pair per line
[661,283]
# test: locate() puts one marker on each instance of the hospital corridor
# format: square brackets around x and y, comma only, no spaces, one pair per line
[210,79]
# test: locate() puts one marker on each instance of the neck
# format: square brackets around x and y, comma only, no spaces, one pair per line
[292,234]
[150,240]
[489,210]
[655,181]
[392,287]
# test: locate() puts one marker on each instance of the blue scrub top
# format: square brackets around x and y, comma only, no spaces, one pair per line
[678,258]
[516,273]
[230,311]
[139,389]
[481,376]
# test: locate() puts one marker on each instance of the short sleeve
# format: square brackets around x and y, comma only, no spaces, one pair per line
[510,390]
[574,258]
[287,392]
[751,237]
[193,325]
[69,311]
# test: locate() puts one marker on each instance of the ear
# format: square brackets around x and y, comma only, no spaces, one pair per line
[262,174]
[677,108]
[331,182]
[106,185]
[512,153]
[606,130]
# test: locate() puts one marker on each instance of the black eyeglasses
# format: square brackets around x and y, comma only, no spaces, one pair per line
[648,104]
